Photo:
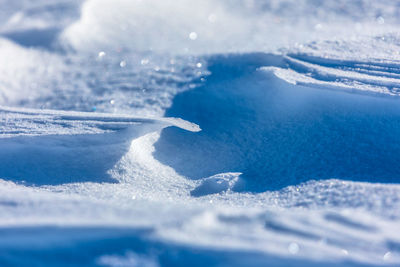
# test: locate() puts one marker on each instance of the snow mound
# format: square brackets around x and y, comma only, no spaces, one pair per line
[55,147]
[218,26]
[195,26]
[218,183]
[26,74]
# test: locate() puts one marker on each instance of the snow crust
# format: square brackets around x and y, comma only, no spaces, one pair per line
[282,173]
[369,65]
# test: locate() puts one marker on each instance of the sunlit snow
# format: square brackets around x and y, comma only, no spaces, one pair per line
[199,133]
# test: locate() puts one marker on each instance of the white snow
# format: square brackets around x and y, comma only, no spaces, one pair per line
[92,173]
[365,65]
[216,184]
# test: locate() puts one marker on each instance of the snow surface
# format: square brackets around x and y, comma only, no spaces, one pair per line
[262,165]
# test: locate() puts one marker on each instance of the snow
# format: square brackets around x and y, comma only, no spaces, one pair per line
[216,184]
[55,147]
[355,65]
[168,133]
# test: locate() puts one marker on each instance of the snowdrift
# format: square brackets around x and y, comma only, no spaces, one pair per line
[46,147]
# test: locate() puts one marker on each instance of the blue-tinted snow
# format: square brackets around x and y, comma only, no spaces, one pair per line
[278,134]
[296,163]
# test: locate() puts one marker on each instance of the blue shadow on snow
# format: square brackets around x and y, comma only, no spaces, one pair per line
[278,134]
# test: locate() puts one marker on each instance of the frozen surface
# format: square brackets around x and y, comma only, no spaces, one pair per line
[283,150]
[370,65]
[55,147]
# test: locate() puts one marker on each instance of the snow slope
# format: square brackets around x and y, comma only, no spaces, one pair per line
[296,163]
[54,147]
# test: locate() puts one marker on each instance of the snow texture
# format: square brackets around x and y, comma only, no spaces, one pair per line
[283,150]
